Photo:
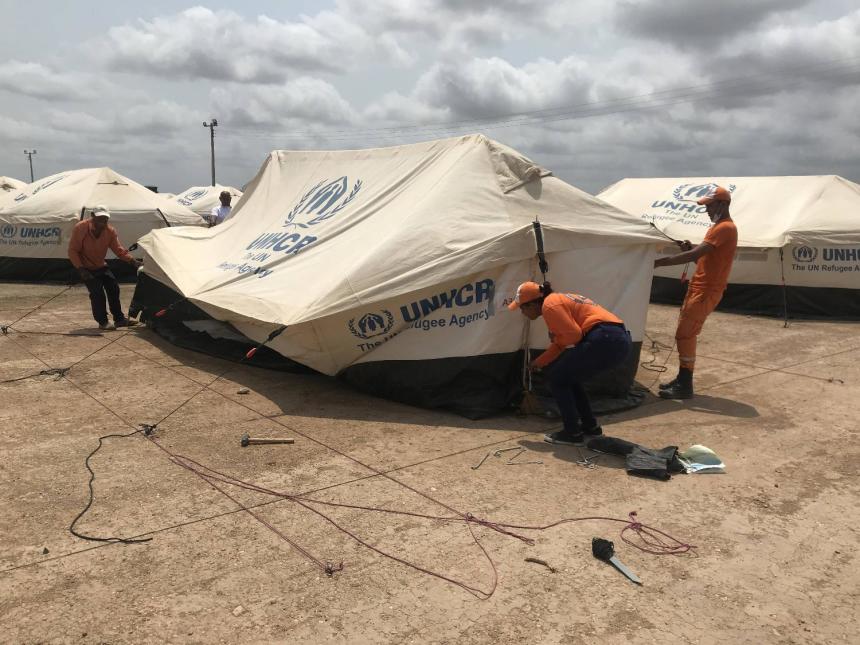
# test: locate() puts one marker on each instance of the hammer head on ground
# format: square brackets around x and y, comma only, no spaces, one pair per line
[245,440]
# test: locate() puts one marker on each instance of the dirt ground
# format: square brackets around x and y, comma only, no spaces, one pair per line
[776,536]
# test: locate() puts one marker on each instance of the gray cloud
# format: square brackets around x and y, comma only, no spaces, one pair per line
[303,100]
[454,27]
[487,87]
[222,45]
[38,81]
[624,111]
[696,24]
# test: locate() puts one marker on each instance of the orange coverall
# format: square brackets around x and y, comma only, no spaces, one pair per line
[706,288]
[569,317]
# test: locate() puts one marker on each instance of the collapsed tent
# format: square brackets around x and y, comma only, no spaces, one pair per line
[8,184]
[798,239]
[393,267]
[36,223]
[202,199]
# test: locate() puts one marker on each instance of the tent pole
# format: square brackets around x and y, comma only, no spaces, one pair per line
[784,289]
[163,217]
[544,267]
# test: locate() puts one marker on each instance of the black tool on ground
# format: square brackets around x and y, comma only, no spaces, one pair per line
[605,550]
[251,441]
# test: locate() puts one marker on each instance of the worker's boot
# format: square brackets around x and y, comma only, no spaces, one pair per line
[670,384]
[682,388]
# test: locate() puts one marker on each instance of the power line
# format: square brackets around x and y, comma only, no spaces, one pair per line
[729,88]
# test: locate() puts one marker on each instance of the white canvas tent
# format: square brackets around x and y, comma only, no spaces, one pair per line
[392,267]
[202,199]
[36,222]
[805,230]
[8,184]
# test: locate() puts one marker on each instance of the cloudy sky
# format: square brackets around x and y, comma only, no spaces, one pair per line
[595,90]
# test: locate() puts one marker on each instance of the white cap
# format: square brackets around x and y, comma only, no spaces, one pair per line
[101,211]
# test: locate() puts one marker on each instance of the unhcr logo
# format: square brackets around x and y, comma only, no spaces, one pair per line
[804,253]
[190,198]
[323,201]
[372,324]
[8,231]
[40,187]
[686,196]
[695,192]
[320,203]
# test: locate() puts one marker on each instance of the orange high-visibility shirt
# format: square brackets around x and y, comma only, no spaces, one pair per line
[569,317]
[86,251]
[712,269]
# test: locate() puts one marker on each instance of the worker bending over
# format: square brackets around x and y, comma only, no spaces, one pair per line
[585,339]
[713,258]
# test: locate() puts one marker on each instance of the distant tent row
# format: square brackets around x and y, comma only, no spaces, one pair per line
[202,199]
[36,221]
[798,239]
[392,268]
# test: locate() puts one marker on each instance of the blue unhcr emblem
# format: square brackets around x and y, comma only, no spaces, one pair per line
[190,198]
[693,192]
[372,324]
[322,201]
[804,253]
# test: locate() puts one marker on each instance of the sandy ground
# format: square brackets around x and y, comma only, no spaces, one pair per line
[776,536]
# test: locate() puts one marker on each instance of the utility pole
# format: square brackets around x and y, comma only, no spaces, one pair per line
[212,125]
[30,154]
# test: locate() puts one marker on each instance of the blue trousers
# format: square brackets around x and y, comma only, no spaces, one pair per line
[602,348]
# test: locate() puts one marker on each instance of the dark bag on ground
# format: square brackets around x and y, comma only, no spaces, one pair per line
[641,461]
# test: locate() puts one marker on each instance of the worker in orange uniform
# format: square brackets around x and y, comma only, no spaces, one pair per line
[91,239]
[713,257]
[585,339]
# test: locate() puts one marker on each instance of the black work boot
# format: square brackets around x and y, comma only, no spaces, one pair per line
[670,384]
[682,388]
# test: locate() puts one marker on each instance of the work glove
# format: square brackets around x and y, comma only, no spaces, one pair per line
[85,274]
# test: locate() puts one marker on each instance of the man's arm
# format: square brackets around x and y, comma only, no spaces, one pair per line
[75,245]
[687,256]
[119,250]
